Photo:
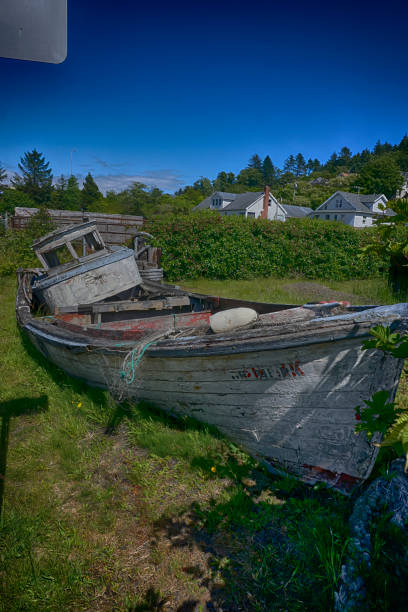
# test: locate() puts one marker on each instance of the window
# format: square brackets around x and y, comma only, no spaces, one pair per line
[251,214]
[364,219]
[335,217]
[316,216]
[327,216]
[338,203]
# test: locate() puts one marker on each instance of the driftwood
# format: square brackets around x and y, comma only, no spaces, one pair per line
[386,494]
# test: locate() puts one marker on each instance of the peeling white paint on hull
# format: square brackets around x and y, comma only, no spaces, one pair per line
[292,408]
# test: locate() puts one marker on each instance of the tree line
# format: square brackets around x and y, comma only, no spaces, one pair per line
[375,171]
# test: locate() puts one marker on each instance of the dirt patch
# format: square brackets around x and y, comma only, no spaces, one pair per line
[134,565]
[317,292]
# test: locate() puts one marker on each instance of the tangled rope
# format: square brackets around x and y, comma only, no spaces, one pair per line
[134,357]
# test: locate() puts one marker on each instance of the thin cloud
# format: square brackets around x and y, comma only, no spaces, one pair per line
[166,180]
[107,165]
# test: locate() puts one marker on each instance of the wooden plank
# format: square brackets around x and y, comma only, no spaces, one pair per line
[127,305]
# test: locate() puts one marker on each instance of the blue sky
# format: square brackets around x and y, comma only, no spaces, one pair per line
[165,92]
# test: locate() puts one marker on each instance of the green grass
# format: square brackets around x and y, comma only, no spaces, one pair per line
[297,291]
[125,508]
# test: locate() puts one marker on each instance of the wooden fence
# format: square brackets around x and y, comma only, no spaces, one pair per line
[115,229]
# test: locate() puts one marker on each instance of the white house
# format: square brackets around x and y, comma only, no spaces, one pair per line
[355,209]
[252,204]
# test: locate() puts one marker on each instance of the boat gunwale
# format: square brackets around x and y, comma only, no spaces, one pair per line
[268,337]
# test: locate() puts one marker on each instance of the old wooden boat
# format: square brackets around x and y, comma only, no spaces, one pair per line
[284,387]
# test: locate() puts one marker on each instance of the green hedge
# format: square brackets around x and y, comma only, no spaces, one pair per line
[15,245]
[210,246]
[213,246]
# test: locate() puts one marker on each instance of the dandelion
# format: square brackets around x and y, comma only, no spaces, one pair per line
[79,405]
[213,469]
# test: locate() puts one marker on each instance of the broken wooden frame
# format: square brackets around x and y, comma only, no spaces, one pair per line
[47,248]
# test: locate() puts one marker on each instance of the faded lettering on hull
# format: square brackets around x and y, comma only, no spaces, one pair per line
[291,369]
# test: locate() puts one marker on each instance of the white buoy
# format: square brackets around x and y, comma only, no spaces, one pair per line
[234,318]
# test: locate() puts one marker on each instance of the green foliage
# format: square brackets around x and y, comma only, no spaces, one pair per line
[15,245]
[377,416]
[387,341]
[380,415]
[11,198]
[209,246]
[397,436]
[391,242]
[381,175]
[66,195]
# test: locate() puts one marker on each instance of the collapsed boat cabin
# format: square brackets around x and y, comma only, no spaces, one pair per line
[80,268]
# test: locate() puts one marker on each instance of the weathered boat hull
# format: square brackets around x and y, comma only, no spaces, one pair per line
[287,399]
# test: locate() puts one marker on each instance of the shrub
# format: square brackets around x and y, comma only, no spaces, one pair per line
[213,246]
[15,245]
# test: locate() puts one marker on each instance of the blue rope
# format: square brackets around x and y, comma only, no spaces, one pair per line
[129,375]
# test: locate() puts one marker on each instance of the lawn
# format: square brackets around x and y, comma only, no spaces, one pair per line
[297,291]
[124,508]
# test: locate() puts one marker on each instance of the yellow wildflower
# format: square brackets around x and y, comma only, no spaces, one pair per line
[213,469]
[79,405]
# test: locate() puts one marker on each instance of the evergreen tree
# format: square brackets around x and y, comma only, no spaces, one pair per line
[313,165]
[221,182]
[365,156]
[255,162]
[331,165]
[268,171]
[72,194]
[300,165]
[36,177]
[403,145]
[345,156]
[290,164]
[90,192]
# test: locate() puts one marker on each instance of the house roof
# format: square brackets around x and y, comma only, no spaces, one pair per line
[222,194]
[243,200]
[225,195]
[359,201]
[204,204]
[296,212]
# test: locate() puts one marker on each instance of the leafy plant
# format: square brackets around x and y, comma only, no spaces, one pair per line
[380,415]
[377,416]
[391,243]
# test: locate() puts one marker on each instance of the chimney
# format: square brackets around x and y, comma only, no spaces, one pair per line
[264,213]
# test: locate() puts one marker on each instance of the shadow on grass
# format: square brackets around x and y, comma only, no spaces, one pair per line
[271,541]
[13,409]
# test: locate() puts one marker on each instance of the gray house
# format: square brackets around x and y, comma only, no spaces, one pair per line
[357,210]
[252,204]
